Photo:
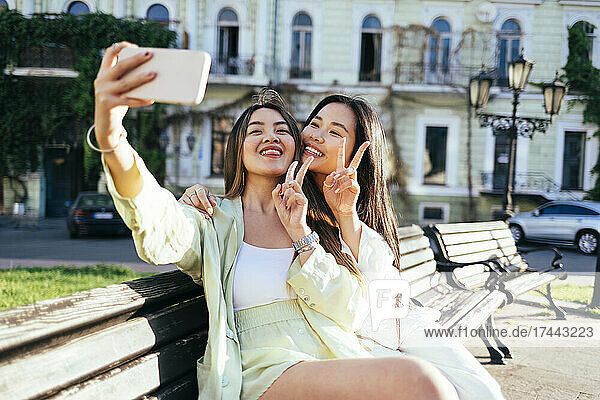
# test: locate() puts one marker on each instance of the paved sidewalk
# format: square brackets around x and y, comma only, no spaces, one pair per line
[541,371]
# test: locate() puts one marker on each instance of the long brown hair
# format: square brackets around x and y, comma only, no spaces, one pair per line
[374,204]
[235,173]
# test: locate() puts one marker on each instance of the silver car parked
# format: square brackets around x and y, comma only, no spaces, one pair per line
[561,223]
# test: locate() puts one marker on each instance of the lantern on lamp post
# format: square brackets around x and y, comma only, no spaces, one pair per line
[510,125]
[553,96]
[479,89]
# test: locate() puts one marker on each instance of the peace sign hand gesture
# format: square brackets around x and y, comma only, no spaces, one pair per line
[341,188]
[291,203]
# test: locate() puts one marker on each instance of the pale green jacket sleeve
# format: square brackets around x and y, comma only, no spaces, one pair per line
[330,289]
[163,230]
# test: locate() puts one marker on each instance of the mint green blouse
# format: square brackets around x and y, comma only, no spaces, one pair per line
[164,231]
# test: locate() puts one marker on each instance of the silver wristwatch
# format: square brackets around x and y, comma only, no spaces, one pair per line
[306,241]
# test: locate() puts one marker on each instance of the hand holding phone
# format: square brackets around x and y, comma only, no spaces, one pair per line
[181,75]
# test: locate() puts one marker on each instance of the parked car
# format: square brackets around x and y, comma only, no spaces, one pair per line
[94,212]
[562,223]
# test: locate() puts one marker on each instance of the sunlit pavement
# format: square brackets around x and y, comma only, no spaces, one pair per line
[50,245]
[552,371]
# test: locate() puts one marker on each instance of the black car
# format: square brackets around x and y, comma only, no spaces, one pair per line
[94,212]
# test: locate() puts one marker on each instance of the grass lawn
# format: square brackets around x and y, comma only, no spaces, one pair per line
[26,285]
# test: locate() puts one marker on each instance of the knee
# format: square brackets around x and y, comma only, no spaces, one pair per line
[429,383]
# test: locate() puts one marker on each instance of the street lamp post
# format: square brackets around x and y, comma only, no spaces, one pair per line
[164,143]
[511,125]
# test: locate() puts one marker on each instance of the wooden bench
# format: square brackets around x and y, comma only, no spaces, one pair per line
[142,339]
[434,284]
[493,241]
[139,339]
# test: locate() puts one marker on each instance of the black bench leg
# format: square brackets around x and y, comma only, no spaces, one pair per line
[495,356]
[501,346]
[560,313]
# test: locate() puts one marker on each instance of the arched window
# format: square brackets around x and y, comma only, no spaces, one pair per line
[301,46]
[158,13]
[370,49]
[3,4]
[439,47]
[585,49]
[509,48]
[78,8]
[228,33]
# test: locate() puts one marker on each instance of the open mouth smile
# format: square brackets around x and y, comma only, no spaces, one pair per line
[311,151]
[271,152]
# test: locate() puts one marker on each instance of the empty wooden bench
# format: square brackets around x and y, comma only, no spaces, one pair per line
[139,339]
[434,284]
[493,241]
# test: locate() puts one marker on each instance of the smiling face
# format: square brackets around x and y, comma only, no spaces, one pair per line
[268,148]
[325,131]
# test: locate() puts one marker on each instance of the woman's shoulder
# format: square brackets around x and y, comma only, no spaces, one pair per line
[229,206]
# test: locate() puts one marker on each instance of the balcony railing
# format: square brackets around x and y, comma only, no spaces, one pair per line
[427,74]
[535,183]
[232,65]
[46,57]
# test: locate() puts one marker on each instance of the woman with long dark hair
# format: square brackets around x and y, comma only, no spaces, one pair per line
[351,206]
[262,342]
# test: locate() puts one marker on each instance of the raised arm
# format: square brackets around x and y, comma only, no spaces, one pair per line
[315,276]
[163,231]
[341,191]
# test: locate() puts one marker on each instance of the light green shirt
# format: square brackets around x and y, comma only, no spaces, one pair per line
[164,231]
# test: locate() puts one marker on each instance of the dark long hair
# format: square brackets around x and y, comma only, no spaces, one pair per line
[234,170]
[374,204]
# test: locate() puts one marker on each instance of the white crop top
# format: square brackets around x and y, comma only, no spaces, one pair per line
[260,276]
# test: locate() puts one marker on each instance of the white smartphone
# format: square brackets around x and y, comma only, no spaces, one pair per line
[181,75]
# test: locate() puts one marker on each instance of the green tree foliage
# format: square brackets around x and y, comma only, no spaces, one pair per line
[35,112]
[584,79]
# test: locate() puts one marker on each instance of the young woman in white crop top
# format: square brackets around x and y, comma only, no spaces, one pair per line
[260,276]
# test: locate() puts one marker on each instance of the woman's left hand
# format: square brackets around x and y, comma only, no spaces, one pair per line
[341,188]
[291,203]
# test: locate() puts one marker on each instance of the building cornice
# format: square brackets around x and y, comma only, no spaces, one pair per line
[589,3]
[525,2]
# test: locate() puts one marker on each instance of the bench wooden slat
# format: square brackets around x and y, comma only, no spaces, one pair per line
[417,272]
[470,237]
[94,353]
[142,375]
[185,388]
[465,304]
[416,258]
[470,227]
[409,231]
[530,280]
[488,255]
[413,244]
[426,283]
[52,318]
[478,315]
[449,295]
[467,248]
